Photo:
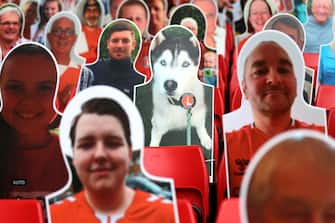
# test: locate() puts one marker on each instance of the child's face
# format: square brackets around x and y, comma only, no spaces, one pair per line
[28,86]
[210,60]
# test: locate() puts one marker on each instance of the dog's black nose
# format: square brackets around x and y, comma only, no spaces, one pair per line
[170,85]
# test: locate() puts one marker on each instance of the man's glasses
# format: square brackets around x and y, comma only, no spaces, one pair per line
[65,32]
[9,23]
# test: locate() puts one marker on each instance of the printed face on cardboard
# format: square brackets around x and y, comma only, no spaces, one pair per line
[28,90]
[190,11]
[273,192]
[174,59]
[289,25]
[30,11]
[321,10]
[120,39]
[272,87]
[11,26]
[258,15]
[209,9]
[298,109]
[62,36]
[113,7]
[108,157]
[50,8]
[269,82]
[27,100]
[191,17]
[137,12]
[62,32]
[158,15]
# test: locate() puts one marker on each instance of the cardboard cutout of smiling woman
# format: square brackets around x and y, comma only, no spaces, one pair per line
[103,130]
[178,99]
[32,164]
[118,46]
[11,30]
[271,73]
[62,31]
[290,179]
[319,25]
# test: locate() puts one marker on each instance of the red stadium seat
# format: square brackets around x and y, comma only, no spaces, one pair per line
[186,214]
[236,99]
[186,165]
[219,103]
[229,211]
[331,123]
[235,94]
[312,61]
[19,211]
[221,182]
[216,147]
[326,97]
[218,128]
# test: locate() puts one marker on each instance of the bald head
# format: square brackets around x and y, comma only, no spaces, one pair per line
[294,180]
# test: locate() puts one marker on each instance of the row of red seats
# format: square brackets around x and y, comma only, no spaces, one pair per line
[18,211]
[30,211]
[326,97]
[191,181]
[331,122]
[191,184]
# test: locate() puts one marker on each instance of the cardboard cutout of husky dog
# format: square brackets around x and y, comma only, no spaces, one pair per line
[175,63]
[174,59]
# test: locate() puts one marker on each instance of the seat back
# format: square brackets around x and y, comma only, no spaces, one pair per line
[326,97]
[219,103]
[229,211]
[19,211]
[312,61]
[186,214]
[331,123]
[186,165]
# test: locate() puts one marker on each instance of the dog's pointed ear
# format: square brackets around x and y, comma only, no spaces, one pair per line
[194,41]
[158,39]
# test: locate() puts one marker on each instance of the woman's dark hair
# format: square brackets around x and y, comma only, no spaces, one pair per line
[28,49]
[250,29]
[44,19]
[102,106]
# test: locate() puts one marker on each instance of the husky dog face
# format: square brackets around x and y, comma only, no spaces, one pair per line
[175,55]
[175,64]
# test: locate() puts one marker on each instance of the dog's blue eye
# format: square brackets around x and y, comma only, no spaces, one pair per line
[163,62]
[185,64]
